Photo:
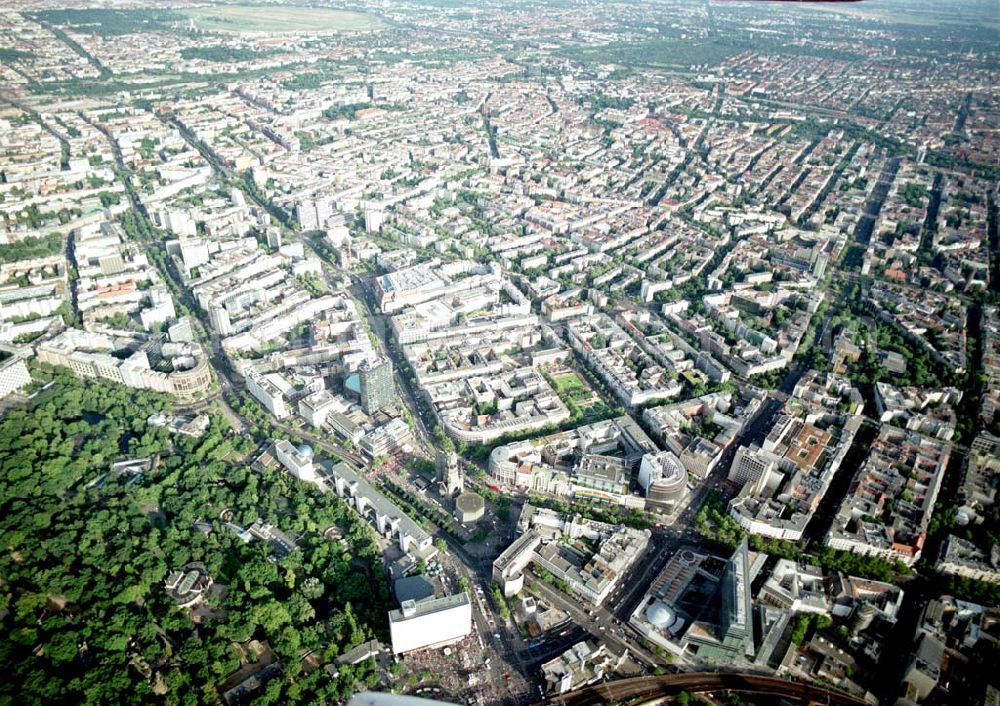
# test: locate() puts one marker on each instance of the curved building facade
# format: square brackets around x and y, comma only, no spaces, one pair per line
[91,354]
[193,382]
[663,480]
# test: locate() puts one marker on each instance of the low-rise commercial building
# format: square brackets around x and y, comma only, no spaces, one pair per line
[593,461]
[392,437]
[297,460]
[589,557]
[271,390]
[371,504]
[582,664]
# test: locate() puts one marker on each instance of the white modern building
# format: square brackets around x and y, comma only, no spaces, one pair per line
[270,390]
[392,437]
[430,623]
[316,407]
[14,376]
[297,460]
[385,515]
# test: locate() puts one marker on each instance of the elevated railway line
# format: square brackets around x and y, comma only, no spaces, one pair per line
[649,690]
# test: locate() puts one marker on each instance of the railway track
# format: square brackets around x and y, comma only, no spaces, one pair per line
[641,690]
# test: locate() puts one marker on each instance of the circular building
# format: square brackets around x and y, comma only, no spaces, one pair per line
[469,508]
[305,450]
[663,480]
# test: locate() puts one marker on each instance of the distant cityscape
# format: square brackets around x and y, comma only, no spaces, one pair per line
[500,353]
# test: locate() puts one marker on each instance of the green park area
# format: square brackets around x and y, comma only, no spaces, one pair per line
[87,617]
[254,18]
[569,386]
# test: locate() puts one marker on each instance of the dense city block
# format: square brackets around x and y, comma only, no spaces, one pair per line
[499,353]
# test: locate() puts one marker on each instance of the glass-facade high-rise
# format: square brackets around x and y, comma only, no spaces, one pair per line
[378,388]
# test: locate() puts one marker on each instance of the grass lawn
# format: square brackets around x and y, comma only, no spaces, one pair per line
[253,18]
[570,386]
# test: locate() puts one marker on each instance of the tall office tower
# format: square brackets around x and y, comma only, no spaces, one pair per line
[314,213]
[751,464]
[218,316]
[378,389]
[737,609]
[374,218]
[324,210]
[449,475]
[305,211]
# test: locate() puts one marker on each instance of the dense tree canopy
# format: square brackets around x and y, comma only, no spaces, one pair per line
[82,597]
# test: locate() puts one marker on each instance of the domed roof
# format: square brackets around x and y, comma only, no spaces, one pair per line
[306,450]
[660,614]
